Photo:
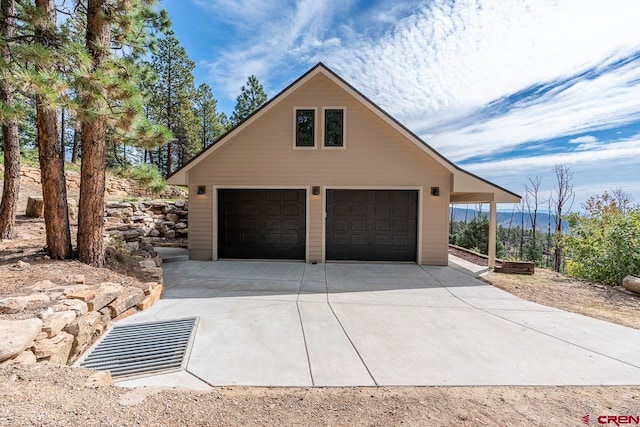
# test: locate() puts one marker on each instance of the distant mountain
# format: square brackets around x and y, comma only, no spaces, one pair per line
[515,218]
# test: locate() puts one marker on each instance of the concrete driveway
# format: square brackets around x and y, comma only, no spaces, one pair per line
[295,324]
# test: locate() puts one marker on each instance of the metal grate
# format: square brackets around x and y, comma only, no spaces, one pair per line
[143,348]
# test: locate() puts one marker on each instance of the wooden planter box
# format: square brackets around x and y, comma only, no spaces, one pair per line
[515,267]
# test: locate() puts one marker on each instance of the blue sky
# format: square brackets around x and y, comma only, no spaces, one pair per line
[506,89]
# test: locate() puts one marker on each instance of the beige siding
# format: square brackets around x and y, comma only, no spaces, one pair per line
[376,156]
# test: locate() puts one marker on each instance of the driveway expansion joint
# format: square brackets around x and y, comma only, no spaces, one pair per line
[529,327]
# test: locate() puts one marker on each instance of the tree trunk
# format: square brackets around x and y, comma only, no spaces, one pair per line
[10,142]
[557,253]
[169,156]
[62,132]
[76,143]
[54,191]
[92,169]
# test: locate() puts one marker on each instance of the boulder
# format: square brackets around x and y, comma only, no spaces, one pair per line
[26,357]
[131,235]
[179,203]
[37,300]
[35,207]
[154,273]
[12,305]
[147,264]
[83,330]
[154,233]
[127,299]
[133,246]
[631,283]
[125,314]
[54,350]
[182,231]
[119,212]
[106,293]
[118,205]
[172,217]
[170,234]
[151,299]
[85,295]
[17,335]
[80,307]
[180,225]
[57,322]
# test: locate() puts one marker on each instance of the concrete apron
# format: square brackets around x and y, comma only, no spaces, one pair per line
[295,324]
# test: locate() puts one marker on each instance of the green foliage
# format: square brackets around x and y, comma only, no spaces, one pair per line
[212,123]
[29,157]
[604,243]
[171,103]
[251,97]
[475,236]
[146,175]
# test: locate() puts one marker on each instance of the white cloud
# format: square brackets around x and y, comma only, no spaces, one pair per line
[587,139]
[622,151]
[448,61]
[274,37]
[595,171]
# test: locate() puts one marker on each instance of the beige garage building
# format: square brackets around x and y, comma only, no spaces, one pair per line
[321,173]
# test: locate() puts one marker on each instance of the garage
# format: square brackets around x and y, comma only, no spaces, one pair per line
[372,225]
[261,223]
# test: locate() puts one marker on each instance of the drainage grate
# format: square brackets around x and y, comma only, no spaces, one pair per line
[143,348]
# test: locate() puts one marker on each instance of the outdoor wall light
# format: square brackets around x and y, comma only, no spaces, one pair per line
[315,191]
[435,191]
[202,189]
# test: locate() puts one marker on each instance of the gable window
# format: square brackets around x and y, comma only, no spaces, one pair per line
[334,127]
[305,127]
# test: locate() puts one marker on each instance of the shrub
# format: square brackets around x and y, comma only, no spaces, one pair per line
[475,236]
[146,175]
[604,243]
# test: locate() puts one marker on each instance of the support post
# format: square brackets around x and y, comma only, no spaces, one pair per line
[492,234]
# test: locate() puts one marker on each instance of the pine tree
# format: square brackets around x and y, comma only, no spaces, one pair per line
[110,101]
[210,120]
[51,156]
[252,96]
[171,102]
[10,141]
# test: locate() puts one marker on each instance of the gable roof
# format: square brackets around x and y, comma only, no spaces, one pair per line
[464,182]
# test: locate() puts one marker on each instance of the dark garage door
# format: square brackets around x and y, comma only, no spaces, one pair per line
[261,224]
[372,225]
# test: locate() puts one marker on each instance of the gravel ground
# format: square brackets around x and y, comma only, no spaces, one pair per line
[47,395]
[615,305]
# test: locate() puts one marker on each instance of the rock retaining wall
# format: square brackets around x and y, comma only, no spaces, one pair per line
[140,225]
[56,322]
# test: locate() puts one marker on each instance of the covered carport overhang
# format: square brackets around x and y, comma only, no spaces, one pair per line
[468,188]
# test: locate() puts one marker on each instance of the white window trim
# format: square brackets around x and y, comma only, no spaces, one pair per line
[344,128]
[315,127]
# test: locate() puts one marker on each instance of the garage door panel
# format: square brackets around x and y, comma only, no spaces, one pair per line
[372,225]
[261,224]
[341,210]
[290,210]
[399,225]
